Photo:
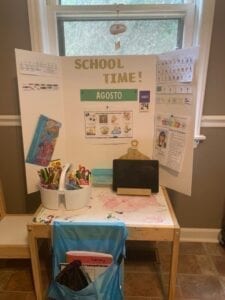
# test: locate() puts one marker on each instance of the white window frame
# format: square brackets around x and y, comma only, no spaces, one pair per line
[198,23]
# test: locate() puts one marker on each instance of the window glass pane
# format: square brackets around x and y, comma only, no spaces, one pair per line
[105,2]
[140,37]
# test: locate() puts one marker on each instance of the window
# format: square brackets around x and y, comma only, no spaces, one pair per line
[82,27]
[99,2]
[144,34]
[77,29]
[140,37]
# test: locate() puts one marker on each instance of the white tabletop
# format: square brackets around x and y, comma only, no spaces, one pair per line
[105,205]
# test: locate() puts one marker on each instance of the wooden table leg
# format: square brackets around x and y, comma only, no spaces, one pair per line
[35,261]
[174,264]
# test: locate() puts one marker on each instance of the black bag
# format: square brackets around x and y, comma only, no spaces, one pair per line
[72,276]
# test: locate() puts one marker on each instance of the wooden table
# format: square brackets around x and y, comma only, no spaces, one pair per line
[148,218]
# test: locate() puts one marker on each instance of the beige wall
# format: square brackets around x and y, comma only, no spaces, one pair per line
[214,103]
[14,33]
[202,209]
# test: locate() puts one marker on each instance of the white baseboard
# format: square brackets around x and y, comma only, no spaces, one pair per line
[207,235]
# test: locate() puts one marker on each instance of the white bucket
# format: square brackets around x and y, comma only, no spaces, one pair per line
[76,199]
[49,198]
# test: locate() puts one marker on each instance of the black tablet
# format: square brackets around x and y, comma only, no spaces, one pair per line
[142,174]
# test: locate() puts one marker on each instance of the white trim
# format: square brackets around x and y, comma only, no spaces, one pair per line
[216,121]
[35,25]
[213,121]
[207,235]
[207,121]
[199,138]
[121,10]
[10,120]
[38,25]
[203,39]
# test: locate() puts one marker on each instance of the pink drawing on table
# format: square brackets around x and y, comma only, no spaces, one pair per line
[157,219]
[128,203]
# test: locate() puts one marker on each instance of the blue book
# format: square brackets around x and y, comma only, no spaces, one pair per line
[44,141]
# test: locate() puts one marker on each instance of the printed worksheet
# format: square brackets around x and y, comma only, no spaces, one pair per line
[170,140]
[108,124]
[38,66]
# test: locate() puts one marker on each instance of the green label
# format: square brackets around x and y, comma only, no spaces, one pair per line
[109,95]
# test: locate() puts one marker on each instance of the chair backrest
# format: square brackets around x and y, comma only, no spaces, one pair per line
[2,202]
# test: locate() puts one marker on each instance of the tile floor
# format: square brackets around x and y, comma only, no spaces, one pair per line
[201,273]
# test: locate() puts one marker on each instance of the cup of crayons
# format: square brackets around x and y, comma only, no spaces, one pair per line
[50,177]
[77,188]
[59,183]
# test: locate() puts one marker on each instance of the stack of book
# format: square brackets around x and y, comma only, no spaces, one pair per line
[92,263]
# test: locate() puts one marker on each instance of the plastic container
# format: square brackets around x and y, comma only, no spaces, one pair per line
[101,177]
[49,198]
[76,199]
[73,199]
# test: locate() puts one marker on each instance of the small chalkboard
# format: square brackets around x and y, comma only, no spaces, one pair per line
[136,174]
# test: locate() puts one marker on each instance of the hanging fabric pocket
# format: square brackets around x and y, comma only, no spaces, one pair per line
[87,236]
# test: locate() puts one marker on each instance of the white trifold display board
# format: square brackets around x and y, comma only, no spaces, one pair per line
[104,102]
